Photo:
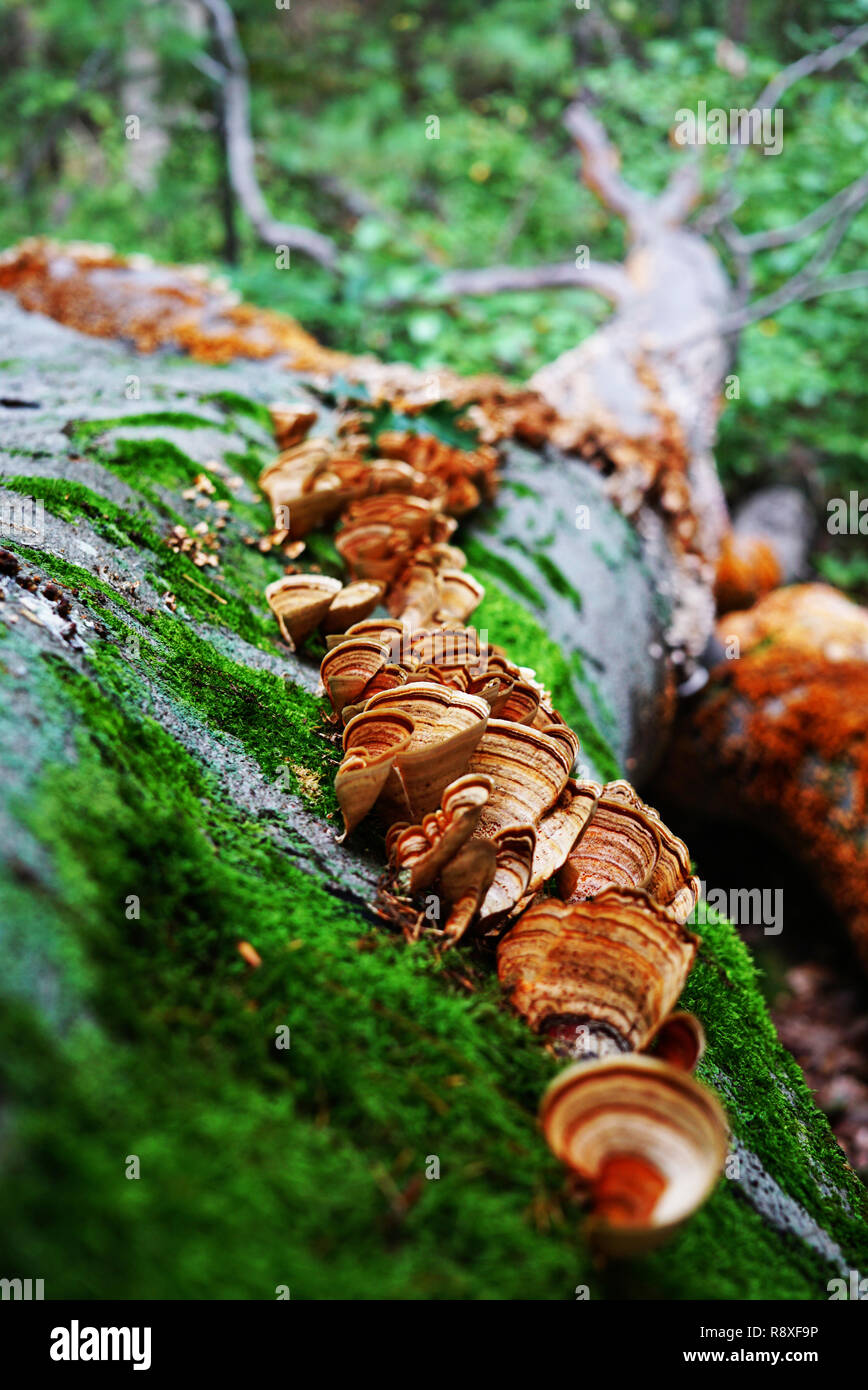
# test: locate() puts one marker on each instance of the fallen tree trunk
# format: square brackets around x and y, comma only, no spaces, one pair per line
[194,979]
[628,639]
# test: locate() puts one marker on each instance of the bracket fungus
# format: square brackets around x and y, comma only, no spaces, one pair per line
[370,748]
[300,602]
[351,605]
[615,963]
[420,852]
[348,669]
[467,764]
[303,602]
[445,726]
[529,770]
[645,1140]
[291,423]
[514,848]
[625,843]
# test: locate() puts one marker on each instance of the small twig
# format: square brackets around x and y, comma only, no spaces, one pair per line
[744,277]
[682,191]
[795,291]
[514,223]
[851,197]
[204,589]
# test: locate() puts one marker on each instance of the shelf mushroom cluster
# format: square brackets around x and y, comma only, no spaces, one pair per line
[461,755]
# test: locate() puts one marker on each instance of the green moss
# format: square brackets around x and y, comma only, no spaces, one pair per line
[516,486]
[527,642]
[744,1047]
[249,464]
[84,431]
[77,580]
[172,572]
[273,719]
[157,466]
[150,461]
[236,404]
[259,1167]
[321,548]
[306,1167]
[557,579]
[69,500]
[479,557]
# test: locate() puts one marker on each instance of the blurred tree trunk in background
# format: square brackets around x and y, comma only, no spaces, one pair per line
[140,98]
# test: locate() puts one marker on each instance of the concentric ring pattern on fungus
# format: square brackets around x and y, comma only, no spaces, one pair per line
[459,755]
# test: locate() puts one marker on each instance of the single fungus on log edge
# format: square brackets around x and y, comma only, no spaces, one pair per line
[645,1140]
[464,760]
[615,963]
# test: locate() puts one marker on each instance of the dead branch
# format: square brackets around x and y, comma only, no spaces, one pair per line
[825,59]
[853,196]
[600,173]
[240,151]
[744,271]
[601,164]
[681,193]
[822,61]
[604,277]
[808,282]
[795,291]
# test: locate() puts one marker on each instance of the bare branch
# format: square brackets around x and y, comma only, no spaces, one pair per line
[794,292]
[853,196]
[727,200]
[241,155]
[822,61]
[209,67]
[808,283]
[744,277]
[605,278]
[600,172]
[600,165]
[834,237]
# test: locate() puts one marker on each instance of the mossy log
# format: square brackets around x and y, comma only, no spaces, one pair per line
[179,1122]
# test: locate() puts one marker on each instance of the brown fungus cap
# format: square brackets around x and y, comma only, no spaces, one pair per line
[625,844]
[291,423]
[300,602]
[418,853]
[646,1140]
[619,959]
[445,725]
